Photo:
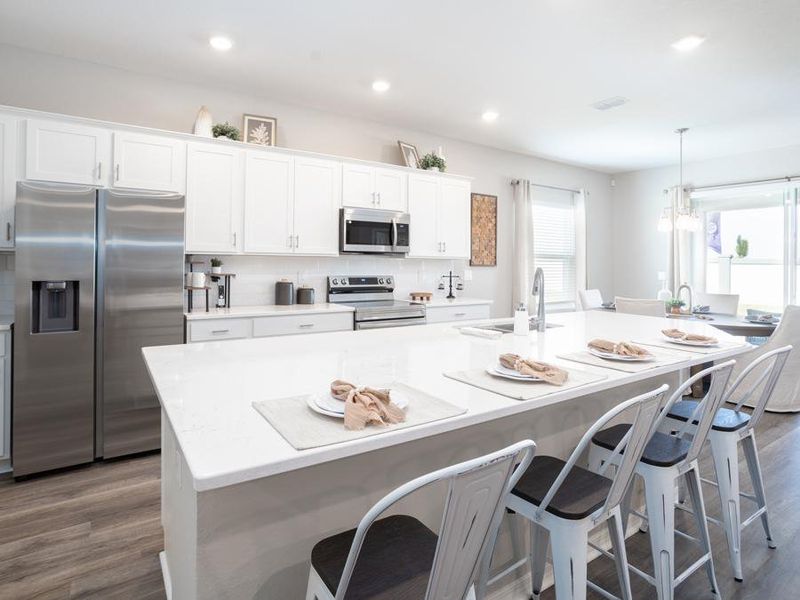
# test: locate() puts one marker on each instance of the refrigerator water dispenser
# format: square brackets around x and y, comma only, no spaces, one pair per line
[55,306]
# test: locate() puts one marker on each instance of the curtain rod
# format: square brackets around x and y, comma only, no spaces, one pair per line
[549,187]
[722,186]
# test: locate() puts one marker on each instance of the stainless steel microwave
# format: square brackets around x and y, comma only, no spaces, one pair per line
[366,230]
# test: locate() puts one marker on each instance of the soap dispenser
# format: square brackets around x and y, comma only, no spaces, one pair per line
[521,320]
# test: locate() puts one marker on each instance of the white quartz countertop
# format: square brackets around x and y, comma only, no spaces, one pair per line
[6,321]
[457,301]
[266,311]
[207,389]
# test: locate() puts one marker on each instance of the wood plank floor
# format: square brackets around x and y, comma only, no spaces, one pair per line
[94,532]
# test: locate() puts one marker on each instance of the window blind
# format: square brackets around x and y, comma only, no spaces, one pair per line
[554,247]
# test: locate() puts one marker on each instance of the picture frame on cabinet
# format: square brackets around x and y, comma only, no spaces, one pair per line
[483,229]
[410,154]
[260,130]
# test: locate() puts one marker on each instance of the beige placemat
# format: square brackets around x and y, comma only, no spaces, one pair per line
[303,428]
[661,359]
[655,342]
[522,390]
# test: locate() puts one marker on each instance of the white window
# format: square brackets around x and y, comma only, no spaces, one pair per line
[558,242]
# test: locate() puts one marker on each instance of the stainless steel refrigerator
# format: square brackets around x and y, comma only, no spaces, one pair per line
[99,276]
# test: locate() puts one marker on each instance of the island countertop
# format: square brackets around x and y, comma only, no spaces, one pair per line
[207,389]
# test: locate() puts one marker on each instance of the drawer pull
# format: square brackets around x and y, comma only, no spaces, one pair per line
[305,325]
[218,331]
[460,314]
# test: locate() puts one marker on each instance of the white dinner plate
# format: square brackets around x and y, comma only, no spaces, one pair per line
[619,357]
[499,370]
[697,343]
[326,404]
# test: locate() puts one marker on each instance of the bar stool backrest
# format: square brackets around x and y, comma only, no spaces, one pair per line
[645,408]
[474,503]
[706,409]
[763,373]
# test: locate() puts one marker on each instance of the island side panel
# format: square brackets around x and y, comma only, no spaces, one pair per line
[178,517]
[254,539]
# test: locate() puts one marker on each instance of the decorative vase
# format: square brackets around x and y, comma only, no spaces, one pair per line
[675,310]
[203,123]
[433,168]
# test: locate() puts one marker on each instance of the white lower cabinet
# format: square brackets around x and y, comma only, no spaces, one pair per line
[440,217]
[204,330]
[445,314]
[5,394]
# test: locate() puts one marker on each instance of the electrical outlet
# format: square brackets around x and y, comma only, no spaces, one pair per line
[467,274]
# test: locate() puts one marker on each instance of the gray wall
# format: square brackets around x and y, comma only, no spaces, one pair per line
[46,82]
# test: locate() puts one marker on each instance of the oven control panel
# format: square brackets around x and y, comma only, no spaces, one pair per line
[342,283]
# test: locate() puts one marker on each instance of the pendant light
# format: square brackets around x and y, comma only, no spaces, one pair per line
[684,217]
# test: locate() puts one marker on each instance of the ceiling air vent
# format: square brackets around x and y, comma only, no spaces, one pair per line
[610,103]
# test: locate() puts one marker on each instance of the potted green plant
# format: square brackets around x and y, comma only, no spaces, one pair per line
[226,130]
[216,265]
[742,247]
[432,162]
[675,305]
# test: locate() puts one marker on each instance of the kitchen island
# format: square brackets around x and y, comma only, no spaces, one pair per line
[242,508]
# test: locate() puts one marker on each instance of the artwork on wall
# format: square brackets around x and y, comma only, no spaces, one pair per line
[484,231]
[410,154]
[260,130]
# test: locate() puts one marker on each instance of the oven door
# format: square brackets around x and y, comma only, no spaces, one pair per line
[374,231]
[390,323]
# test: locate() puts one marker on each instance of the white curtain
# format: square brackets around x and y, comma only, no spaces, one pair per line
[581,254]
[523,243]
[679,263]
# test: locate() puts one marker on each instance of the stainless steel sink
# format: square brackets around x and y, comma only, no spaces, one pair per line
[509,327]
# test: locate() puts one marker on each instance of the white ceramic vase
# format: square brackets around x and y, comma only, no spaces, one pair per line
[203,123]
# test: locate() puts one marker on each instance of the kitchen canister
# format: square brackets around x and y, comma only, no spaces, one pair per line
[284,292]
[198,279]
[305,295]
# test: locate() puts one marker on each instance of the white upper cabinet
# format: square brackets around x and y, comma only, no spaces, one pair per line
[268,202]
[440,216]
[454,218]
[8,179]
[317,199]
[67,153]
[214,199]
[365,186]
[149,162]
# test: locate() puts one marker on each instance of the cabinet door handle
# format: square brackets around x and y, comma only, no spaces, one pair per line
[379,198]
[289,241]
[8,231]
[99,170]
[305,325]
[116,173]
[220,331]
[444,246]
[234,239]
[297,241]
[374,198]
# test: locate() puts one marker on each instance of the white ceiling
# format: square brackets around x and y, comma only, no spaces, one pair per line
[539,63]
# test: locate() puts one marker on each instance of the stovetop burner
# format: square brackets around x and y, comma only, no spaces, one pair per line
[373,299]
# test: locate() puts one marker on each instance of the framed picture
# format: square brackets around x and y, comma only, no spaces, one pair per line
[410,154]
[260,130]
[483,226]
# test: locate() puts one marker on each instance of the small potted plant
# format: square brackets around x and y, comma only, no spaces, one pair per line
[227,130]
[742,247]
[216,266]
[675,305]
[432,162]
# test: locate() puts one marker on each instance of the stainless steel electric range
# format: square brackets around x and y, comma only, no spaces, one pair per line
[373,299]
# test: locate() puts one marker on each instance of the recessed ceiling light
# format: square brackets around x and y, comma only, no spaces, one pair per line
[380,85]
[688,43]
[489,116]
[221,43]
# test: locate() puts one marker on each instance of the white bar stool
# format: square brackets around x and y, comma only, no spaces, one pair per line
[564,503]
[728,430]
[666,459]
[401,557]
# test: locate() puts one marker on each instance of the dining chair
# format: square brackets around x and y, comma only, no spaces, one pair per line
[786,396]
[640,306]
[668,458]
[590,299]
[399,557]
[729,429]
[721,304]
[564,503]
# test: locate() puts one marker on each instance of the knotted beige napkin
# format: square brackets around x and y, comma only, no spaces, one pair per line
[364,405]
[677,334]
[549,373]
[621,348]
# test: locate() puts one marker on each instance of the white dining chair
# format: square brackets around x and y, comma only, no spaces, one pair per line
[667,459]
[730,428]
[564,503]
[399,557]
[590,299]
[721,304]
[640,306]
